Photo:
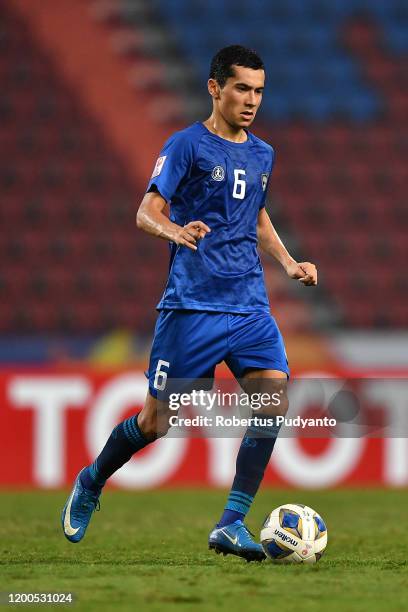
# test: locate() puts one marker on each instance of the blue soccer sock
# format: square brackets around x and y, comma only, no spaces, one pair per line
[125,440]
[252,459]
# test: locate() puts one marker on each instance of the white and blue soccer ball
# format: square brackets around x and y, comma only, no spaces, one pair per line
[293,533]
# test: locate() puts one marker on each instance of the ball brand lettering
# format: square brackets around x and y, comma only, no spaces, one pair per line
[285,537]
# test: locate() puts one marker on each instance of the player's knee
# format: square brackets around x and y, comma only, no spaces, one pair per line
[148,426]
[283,405]
[154,424]
[280,402]
[162,427]
[277,405]
[279,399]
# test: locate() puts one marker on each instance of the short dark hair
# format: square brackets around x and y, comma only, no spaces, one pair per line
[222,62]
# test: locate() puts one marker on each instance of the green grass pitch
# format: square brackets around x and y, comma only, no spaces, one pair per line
[148,551]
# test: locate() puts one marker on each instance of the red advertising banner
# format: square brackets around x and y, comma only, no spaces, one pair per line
[53,422]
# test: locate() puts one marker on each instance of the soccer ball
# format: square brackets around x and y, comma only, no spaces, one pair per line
[294,533]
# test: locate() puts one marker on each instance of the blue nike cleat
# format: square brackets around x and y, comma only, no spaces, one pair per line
[78,510]
[235,539]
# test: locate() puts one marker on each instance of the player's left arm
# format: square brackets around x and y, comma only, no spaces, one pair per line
[269,241]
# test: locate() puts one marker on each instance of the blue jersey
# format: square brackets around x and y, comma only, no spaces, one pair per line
[222,183]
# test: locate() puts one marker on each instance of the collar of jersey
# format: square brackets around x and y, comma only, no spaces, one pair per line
[224,140]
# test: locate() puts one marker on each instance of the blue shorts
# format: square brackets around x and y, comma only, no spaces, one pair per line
[188,344]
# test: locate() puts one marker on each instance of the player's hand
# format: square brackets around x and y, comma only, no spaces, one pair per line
[305,272]
[190,234]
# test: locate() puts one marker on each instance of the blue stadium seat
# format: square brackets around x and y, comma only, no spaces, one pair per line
[360,105]
[314,106]
[275,107]
[396,36]
[299,42]
[380,9]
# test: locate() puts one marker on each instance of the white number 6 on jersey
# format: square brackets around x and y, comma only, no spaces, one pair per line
[240,184]
[160,378]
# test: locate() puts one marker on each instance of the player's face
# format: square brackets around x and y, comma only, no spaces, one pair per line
[241,96]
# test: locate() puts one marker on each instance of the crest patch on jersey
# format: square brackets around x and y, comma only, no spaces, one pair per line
[159,166]
[218,173]
[264,180]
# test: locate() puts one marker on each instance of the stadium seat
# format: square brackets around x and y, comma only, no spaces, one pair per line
[65,194]
[335,110]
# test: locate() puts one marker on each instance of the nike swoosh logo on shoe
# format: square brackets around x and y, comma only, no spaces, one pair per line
[67,519]
[232,540]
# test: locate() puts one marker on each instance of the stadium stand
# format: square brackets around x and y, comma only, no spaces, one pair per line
[336,112]
[68,207]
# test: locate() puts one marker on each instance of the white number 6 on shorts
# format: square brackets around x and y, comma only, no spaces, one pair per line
[160,378]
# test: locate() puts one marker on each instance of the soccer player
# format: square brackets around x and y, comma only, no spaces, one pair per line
[214,175]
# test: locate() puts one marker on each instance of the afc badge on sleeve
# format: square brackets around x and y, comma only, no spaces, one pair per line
[264,180]
[159,166]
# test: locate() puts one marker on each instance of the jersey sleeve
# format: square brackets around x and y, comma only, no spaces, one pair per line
[173,164]
[267,181]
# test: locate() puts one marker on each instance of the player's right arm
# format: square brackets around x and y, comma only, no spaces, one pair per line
[152,219]
[172,167]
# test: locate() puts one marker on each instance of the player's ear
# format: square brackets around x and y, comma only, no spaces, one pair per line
[213,88]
